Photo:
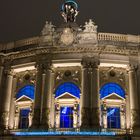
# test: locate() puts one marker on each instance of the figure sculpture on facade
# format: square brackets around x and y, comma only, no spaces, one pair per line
[48,28]
[69,11]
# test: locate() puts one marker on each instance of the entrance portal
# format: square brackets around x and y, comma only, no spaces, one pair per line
[66,117]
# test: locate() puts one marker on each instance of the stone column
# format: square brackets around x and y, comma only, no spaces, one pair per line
[85,95]
[38,96]
[45,121]
[1,89]
[94,99]
[135,117]
[6,99]
[52,111]
[1,73]
[127,97]
[12,105]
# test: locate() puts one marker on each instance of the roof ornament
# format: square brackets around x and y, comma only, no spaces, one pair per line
[69,11]
[90,26]
[48,29]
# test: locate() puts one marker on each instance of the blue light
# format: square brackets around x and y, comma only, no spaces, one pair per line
[68,133]
[66,117]
[110,88]
[113,117]
[70,1]
[68,87]
[27,90]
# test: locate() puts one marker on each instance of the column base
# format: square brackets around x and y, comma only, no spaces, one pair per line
[95,122]
[36,119]
[86,118]
[45,121]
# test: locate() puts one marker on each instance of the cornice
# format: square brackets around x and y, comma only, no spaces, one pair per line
[73,50]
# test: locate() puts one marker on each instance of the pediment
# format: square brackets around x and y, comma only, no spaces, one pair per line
[23,98]
[66,95]
[114,96]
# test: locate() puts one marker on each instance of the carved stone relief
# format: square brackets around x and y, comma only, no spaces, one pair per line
[70,74]
[112,74]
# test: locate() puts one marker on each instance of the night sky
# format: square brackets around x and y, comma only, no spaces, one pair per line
[21,19]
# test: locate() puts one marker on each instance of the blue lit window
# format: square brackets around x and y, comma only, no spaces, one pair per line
[66,117]
[27,91]
[68,87]
[24,120]
[113,117]
[110,88]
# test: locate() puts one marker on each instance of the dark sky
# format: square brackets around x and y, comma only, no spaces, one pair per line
[25,18]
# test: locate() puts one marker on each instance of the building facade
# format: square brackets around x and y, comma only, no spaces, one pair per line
[70,79]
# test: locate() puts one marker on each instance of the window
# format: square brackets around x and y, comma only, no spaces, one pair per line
[27,91]
[113,117]
[110,88]
[66,117]
[68,87]
[24,120]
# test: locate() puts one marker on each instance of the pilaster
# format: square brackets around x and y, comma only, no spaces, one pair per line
[12,104]
[46,106]
[6,99]
[135,112]
[38,96]
[95,122]
[85,95]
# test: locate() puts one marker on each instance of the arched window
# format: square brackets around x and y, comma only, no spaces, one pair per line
[68,87]
[112,117]
[110,88]
[24,94]
[27,90]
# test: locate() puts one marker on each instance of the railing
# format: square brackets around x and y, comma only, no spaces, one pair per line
[118,38]
[112,37]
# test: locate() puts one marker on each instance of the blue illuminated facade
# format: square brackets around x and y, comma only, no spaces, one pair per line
[68,87]
[113,117]
[110,88]
[24,120]
[66,117]
[27,90]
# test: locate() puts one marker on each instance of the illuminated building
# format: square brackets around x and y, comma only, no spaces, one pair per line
[70,81]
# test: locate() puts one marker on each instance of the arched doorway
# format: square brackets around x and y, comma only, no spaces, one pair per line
[67,100]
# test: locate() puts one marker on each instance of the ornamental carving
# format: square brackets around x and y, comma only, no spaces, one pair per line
[112,74]
[89,34]
[48,29]
[90,62]
[26,77]
[68,75]
[67,36]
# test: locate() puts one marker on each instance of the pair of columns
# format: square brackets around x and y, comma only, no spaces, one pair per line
[43,93]
[90,94]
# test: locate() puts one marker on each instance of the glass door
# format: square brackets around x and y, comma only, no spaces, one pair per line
[66,117]
[24,120]
[113,117]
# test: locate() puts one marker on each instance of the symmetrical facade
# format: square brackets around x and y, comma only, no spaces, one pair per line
[71,78]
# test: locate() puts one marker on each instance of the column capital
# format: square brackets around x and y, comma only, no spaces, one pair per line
[133,67]
[90,62]
[9,72]
[43,65]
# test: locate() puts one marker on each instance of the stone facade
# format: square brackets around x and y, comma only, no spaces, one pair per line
[76,56]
